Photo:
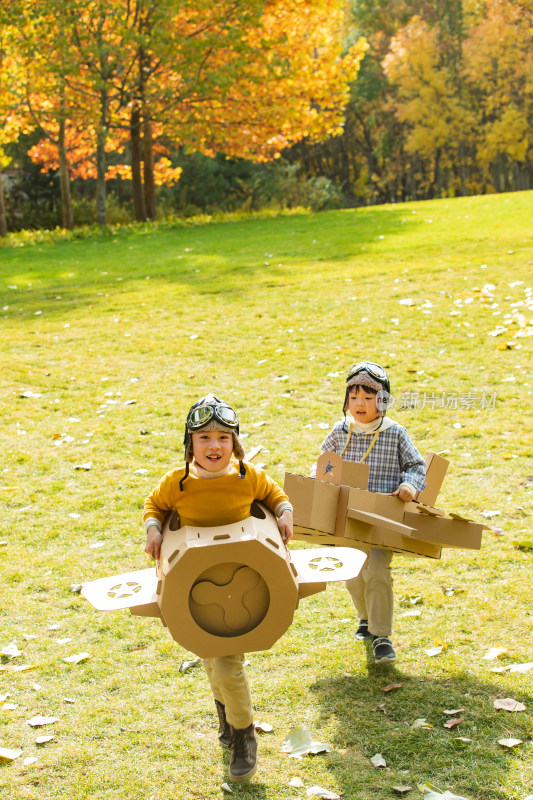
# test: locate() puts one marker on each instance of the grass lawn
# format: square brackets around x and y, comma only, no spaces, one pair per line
[108,339]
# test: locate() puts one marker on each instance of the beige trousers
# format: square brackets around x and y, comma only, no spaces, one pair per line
[230,687]
[371,591]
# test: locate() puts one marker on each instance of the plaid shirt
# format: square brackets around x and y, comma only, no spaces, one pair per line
[393,460]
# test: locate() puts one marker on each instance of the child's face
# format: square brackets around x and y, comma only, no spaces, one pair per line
[212,449]
[362,405]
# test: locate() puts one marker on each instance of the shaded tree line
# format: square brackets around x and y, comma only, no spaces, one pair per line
[443,103]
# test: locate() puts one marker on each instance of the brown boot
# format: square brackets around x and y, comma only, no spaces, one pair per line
[224,728]
[244,754]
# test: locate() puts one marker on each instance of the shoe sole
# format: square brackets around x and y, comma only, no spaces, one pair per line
[243,778]
[385,660]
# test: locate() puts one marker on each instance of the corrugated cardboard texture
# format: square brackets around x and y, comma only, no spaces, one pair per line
[436,468]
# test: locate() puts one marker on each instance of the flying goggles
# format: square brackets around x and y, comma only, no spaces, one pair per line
[200,416]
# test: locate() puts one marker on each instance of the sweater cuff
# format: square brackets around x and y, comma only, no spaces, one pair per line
[410,486]
[283,506]
[152,521]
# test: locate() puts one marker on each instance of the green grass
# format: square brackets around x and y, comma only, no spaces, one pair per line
[263,312]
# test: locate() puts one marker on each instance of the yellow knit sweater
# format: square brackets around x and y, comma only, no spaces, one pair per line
[217,501]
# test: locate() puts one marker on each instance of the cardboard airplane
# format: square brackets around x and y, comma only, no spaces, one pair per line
[228,589]
[336,509]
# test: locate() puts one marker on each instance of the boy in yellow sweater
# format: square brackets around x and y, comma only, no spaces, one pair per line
[215,489]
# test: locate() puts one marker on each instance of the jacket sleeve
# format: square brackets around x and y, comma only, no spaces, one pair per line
[412,465]
[268,491]
[161,500]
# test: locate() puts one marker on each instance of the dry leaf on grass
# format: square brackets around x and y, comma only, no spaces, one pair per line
[421,723]
[9,755]
[40,720]
[297,783]
[185,666]
[10,651]
[434,651]
[494,652]
[265,727]
[508,704]
[44,739]
[452,723]
[509,742]
[453,711]
[433,794]
[391,687]
[29,760]
[319,791]
[77,659]
[402,789]
[378,761]
[299,743]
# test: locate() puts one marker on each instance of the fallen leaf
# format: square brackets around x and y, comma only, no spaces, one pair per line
[508,704]
[297,783]
[432,794]
[226,788]
[39,721]
[411,601]
[461,739]
[187,665]
[8,706]
[520,667]
[87,466]
[453,723]
[9,755]
[266,727]
[414,612]
[10,651]
[434,651]
[299,743]
[421,723]
[319,791]
[487,513]
[378,761]
[509,742]
[391,687]
[29,760]
[402,789]
[18,668]
[77,659]
[44,739]
[449,591]
[494,652]
[453,711]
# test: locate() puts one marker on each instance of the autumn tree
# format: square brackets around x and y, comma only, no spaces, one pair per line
[244,78]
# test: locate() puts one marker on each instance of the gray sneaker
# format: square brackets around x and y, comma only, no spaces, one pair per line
[383,650]
[362,631]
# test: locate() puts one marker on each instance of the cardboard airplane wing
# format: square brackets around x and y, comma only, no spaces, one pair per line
[227,589]
[336,509]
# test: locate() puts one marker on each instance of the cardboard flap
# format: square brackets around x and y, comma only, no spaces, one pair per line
[355,475]
[122,591]
[329,468]
[327,564]
[436,467]
[379,521]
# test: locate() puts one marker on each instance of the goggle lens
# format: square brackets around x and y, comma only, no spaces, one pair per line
[375,370]
[200,416]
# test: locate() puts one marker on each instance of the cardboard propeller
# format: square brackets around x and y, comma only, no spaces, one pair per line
[224,590]
[336,509]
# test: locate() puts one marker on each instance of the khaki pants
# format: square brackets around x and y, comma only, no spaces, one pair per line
[371,591]
[230,687]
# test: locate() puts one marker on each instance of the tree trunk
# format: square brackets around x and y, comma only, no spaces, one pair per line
[149,183]
[3,221]
[67,217]
[101,138]
[136,161]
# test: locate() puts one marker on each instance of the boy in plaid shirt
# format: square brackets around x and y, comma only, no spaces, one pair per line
[397,468]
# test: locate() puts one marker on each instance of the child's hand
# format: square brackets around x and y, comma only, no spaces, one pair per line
[153,542]
[285,525]
[405,493]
